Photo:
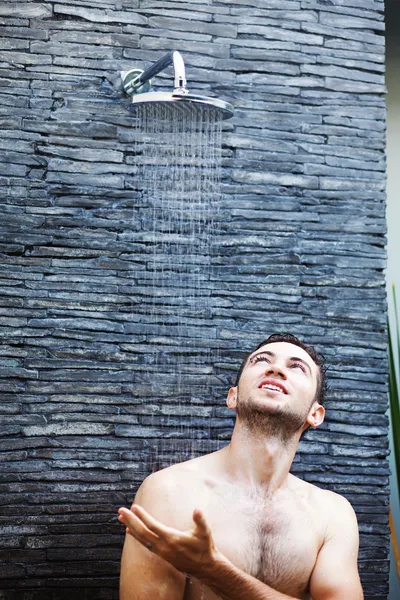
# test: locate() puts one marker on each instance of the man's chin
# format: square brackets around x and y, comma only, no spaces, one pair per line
[262,410]
[270,417]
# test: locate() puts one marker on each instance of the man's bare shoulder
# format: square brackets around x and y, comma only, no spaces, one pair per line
[331,506]
[171,493]
[180,474]
[339,514]
[333,502]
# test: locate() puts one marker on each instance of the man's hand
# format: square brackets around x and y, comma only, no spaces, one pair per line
[191,551]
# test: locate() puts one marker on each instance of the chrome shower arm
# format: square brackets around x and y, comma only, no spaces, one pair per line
[172,58]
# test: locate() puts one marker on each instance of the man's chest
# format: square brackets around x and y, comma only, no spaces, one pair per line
[275,542]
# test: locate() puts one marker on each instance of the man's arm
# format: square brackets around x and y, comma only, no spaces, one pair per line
[145,575]
[335,575]
[231,583]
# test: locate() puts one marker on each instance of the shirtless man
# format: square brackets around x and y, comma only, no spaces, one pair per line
[235,524]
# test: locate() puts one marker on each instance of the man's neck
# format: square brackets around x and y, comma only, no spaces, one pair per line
[257,460]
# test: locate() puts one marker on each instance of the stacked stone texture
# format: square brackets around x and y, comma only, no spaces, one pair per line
[303,249]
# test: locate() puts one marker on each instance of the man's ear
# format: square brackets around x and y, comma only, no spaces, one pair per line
[316,415]
[231,400]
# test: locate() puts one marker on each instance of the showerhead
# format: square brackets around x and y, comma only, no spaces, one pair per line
[184,102]
[137,84]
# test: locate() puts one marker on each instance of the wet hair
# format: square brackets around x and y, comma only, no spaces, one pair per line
[316,356]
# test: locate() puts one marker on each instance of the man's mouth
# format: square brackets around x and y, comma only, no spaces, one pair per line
[273,386]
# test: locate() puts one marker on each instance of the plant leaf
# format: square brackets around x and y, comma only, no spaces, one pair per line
[394,393]
[396,316]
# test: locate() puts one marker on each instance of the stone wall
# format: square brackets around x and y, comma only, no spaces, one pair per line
[303,249]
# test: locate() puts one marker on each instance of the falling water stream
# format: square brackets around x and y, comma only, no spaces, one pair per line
[179,160]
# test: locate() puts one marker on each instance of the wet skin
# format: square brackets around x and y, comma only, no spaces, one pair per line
[240,508]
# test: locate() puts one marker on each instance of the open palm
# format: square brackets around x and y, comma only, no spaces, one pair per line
[191,551]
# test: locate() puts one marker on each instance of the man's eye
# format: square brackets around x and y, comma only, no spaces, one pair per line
[260,357]
[298,365]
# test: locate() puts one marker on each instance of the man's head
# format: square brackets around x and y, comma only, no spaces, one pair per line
[280,386]
[314,355]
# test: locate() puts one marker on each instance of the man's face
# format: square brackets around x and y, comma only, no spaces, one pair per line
[279,379]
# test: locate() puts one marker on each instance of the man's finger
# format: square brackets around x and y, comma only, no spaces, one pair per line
[151,523]
[200,521]
[137,528]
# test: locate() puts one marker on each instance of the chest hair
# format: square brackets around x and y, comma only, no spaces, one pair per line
[279,545]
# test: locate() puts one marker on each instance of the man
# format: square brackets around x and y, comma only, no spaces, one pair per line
[235,524]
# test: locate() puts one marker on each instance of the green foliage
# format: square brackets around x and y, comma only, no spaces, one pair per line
[394,360]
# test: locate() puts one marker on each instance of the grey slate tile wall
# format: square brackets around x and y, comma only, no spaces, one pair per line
[303,249]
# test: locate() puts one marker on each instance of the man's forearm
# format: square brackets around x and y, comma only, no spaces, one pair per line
[230,583]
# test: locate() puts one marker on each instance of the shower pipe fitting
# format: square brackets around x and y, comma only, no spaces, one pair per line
[135,80]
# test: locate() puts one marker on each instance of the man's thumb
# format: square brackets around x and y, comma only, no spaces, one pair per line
[200,521]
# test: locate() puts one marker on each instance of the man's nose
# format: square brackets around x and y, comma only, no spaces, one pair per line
[276,370]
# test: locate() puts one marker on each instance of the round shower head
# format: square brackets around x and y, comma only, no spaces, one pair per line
[184,101]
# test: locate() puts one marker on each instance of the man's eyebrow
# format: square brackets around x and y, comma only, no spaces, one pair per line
[262,352]
[298,359]
[292,358]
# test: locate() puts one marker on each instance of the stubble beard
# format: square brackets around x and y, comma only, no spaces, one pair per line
[281,423]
